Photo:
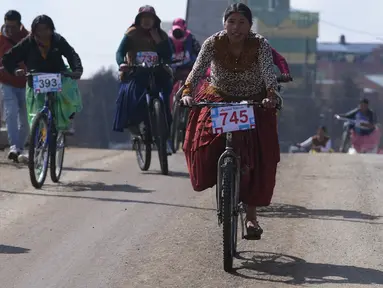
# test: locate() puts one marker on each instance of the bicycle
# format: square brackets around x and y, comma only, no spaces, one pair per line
[346,145]
[53,141]
[155,131]
[228,178]
[180,117]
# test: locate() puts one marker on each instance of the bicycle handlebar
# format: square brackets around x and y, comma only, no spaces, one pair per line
[224,104]
[281,79]
[146,66]
[64,73]
[337,117]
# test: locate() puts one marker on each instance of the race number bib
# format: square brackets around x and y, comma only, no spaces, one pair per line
[183,57]
[46,83]
[359,120]
[358,124]
[232,118]
[149,58]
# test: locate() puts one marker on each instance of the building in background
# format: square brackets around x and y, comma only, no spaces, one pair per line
[293,33]
[204,17]
[361,63]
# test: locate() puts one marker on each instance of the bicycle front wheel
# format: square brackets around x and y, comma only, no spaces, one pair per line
[175,128]
[143,150]
[346,142]
[39,150]
[57,151]
[230,220]
[161,134]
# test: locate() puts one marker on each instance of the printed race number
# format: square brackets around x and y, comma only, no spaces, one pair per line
[150,58]
[183,57]
[47,83]
[232,118]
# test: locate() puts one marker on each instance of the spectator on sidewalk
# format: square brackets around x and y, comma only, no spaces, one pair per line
[13,87]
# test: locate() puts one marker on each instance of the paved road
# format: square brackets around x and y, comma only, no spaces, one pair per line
[109,225]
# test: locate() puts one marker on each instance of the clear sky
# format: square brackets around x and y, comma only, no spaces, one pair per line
[95,28]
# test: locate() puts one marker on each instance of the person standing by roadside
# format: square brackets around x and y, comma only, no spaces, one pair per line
[13,87]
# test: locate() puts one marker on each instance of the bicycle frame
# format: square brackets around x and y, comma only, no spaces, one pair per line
[150,96]
[51,117]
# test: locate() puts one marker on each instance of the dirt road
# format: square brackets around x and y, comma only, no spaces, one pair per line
[110,225]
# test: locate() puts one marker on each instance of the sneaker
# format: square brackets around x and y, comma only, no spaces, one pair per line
[13,153]
[23,158]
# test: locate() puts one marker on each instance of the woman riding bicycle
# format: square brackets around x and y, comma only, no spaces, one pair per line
[42,51]
[241,69]
[144,37]
[365,135]
[185,48]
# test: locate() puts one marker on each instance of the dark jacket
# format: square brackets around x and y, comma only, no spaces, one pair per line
[352,114]
[27,51]
[370,115]
[136,40]
[6,43]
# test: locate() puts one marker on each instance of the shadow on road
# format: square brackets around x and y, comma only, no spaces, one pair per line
[82,186]
[12,164]
[294,211]
[280,268]
[171,173]
[107,199]
[85,169]
[5,249]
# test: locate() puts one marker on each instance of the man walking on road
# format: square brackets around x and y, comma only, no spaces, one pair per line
[13,87]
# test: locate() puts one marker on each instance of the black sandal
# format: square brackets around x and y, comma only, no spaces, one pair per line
[253,232]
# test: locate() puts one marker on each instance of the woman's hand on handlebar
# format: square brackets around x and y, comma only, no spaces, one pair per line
[76,75]
[124,67]
[285,78]
[187,100]
[271,100]
[20,72]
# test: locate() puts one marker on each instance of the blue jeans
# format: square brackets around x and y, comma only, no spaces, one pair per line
[15,116]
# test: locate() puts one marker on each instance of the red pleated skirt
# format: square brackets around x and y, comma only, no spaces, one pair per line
[258,150]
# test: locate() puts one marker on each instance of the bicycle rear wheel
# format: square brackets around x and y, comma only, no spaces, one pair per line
[229,219]
[39,150]
[57,151]
[161,134]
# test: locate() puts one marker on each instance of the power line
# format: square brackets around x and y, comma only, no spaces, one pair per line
[380,37]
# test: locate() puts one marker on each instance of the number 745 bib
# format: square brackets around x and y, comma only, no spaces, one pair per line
[232,118]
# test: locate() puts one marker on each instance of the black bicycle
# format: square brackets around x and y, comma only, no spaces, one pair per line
[227,188]
[155,130]
[46,143]
[180,118]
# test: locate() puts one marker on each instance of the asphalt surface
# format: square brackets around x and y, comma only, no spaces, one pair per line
[110,225]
